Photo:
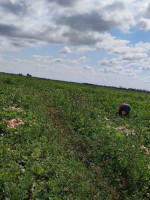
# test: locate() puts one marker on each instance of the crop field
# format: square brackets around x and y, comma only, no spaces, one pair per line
[65,141]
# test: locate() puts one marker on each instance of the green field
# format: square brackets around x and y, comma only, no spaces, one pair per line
[69,146]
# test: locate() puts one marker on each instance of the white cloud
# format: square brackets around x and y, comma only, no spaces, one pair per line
[124,51]
[111,62]
[58,60]
[144,23]
[88,68]
[43,59]
[82,59]
[66,50]
[82,49]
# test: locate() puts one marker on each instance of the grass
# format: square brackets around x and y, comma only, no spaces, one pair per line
[69,146]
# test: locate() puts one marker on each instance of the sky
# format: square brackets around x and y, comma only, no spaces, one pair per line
[86,41]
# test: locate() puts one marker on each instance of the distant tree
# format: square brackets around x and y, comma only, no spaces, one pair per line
[28,75]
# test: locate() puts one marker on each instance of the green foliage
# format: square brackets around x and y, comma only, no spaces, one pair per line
[69,146]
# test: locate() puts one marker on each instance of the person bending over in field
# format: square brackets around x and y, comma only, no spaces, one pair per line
[124,108]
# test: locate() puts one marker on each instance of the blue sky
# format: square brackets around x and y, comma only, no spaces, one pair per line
[99,42]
